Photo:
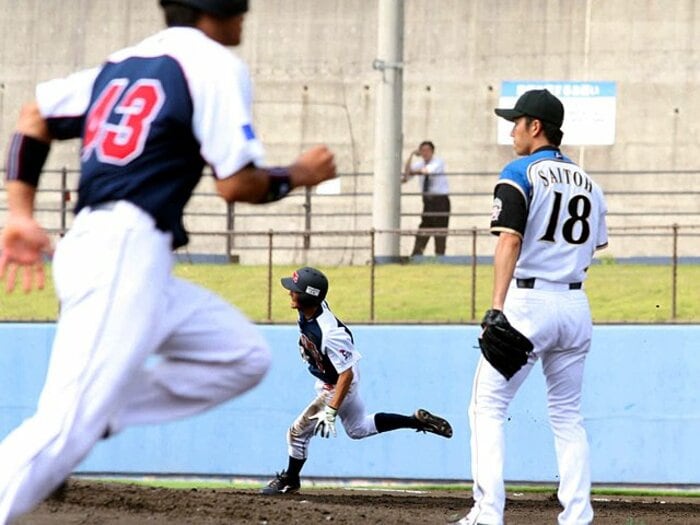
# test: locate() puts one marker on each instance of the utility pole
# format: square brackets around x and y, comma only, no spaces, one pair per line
[388,141]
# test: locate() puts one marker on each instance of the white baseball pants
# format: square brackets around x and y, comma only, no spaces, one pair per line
[352,414]
[558,322]
[119,305]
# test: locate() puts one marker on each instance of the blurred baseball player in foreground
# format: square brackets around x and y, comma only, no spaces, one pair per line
[328,348]
[549,216]
[149,119]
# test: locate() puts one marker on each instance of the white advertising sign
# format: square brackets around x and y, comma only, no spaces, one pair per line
[589,109]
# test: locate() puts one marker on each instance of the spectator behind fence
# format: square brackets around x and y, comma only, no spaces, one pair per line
[436,201]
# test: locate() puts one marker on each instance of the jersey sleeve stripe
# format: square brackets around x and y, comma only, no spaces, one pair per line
[503,229]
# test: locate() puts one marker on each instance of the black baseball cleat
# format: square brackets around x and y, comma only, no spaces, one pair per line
[433,424]
[282,484]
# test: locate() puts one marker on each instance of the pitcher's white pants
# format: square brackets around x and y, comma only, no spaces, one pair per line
[353,415]
[558,322]
[119,305]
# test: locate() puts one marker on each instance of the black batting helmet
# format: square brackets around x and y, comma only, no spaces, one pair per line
[309,283]
[220,8]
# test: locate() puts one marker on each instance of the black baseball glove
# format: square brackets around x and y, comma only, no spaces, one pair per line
[502,345]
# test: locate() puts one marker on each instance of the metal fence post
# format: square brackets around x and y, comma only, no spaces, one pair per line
[269,275]
[307,218]
[229,228]
[371,274]
[65,197]
[674,273]
[473,292]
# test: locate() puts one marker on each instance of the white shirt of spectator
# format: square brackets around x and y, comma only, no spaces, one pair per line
[438,179]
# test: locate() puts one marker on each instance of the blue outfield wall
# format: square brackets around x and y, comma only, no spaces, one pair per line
[641,407]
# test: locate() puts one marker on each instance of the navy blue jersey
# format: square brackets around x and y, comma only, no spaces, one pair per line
[151,118]
[159,182]
[326,344]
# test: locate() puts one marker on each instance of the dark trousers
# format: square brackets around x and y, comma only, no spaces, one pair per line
[436,214]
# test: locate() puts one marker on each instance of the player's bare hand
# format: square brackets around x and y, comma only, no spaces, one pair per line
[313,167]
[23,244]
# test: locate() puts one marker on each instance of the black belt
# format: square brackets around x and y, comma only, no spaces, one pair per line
[530,283]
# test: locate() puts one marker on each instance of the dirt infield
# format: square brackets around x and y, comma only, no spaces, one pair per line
[88,502]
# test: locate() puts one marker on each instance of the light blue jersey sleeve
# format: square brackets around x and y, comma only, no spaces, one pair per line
[515,174]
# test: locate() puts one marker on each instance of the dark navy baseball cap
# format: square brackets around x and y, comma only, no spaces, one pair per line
[537,103]
[220,8]
[309,282]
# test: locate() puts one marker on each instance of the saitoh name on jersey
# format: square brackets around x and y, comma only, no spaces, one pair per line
[555,173]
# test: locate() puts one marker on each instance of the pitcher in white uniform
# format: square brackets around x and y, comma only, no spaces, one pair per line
[549,216]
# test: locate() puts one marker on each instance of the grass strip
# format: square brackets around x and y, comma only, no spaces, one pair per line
[245,484]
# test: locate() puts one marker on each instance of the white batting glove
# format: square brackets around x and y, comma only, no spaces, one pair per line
[325,422]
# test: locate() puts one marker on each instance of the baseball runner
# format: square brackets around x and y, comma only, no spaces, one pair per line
[149,119]
[327,346]
[549,216]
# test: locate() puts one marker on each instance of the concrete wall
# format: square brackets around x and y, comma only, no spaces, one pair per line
[311,61]
[640,406]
